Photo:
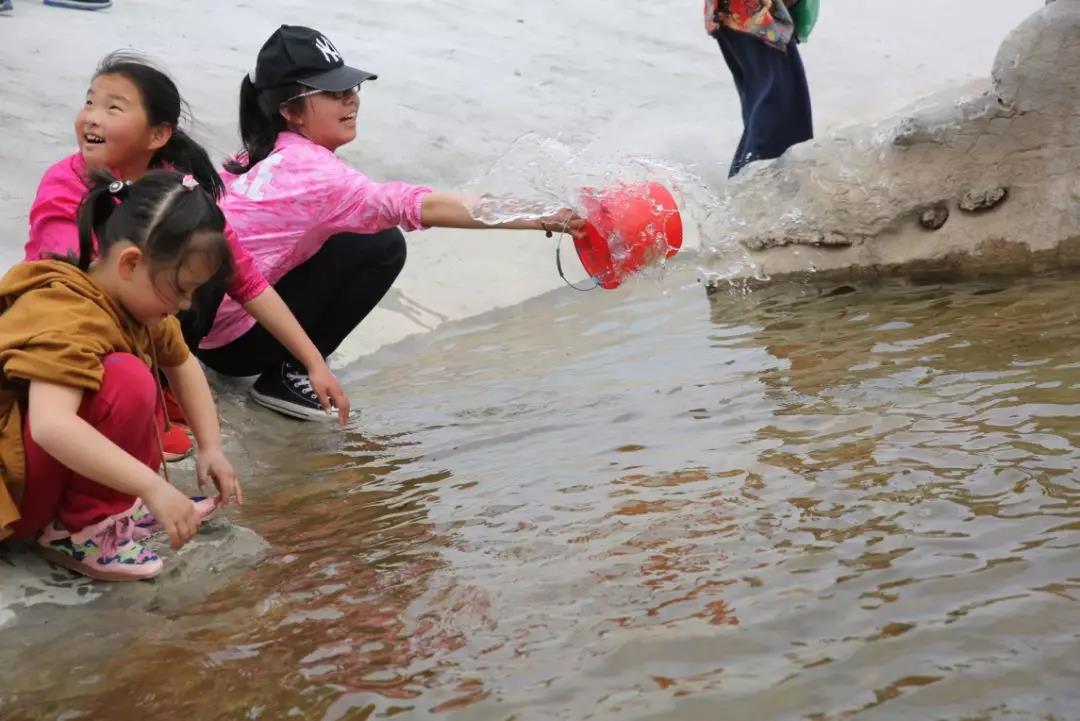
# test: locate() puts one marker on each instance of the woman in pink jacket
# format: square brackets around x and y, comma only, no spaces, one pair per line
[129,123]
[324,234]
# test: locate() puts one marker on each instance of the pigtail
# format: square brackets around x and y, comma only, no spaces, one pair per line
[260,123]
[95,210]
[187,156]
[166,215]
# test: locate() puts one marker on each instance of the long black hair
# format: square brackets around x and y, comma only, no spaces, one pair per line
[163,104]
[169,218]
[261,121]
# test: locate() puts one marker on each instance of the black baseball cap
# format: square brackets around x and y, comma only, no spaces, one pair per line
[295,54]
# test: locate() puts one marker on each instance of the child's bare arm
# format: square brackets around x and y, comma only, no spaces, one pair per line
[188,383]
[56,426]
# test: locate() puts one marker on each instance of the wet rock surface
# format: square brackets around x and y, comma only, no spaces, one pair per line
[1009,144]
[44,607]
[977,201]
[35,595]
[934,218]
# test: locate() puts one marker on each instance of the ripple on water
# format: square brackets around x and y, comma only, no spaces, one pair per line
[633,505]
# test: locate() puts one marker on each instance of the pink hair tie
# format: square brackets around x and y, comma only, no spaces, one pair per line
[189,182]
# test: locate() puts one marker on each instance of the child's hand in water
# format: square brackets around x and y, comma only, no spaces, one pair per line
[212,465]
[329,391]
[174,511]
[564,221]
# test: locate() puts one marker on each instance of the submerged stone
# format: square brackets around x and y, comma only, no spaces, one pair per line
[934,218]
[977,201]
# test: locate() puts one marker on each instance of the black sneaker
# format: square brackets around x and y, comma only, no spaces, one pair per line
[287,389]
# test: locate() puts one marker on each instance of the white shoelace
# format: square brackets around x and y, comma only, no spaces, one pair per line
[301,382]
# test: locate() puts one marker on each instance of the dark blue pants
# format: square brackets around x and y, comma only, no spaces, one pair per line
[773,93]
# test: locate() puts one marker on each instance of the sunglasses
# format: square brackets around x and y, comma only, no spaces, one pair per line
[335,94]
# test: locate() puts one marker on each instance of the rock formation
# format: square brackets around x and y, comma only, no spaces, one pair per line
[984,180]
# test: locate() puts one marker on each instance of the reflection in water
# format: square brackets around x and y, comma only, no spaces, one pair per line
[789,505]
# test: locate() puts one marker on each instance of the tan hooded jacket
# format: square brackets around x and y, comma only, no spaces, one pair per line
[56,325]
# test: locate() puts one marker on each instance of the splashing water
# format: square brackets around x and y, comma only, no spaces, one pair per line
[540,176]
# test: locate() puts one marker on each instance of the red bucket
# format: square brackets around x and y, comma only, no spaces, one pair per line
[627,227]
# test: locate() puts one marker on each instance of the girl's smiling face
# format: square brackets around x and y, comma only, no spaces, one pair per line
[328,118]
[113,130]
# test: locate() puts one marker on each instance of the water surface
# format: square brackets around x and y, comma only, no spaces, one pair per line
[799,503]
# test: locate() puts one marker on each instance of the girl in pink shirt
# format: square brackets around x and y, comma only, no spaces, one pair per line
[325,235]
[129,124]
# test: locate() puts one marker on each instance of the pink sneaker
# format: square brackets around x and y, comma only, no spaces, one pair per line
[105,551]
[146,525]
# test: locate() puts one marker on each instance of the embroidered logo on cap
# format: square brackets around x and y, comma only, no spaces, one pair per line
[329,52]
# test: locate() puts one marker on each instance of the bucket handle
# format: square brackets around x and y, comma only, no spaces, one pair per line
[558,264]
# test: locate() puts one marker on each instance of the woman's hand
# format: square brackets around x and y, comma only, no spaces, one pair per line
[563,221]
[212,465]
[328,389]
[174,511]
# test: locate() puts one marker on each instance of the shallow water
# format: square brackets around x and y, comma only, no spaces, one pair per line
[793,504]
